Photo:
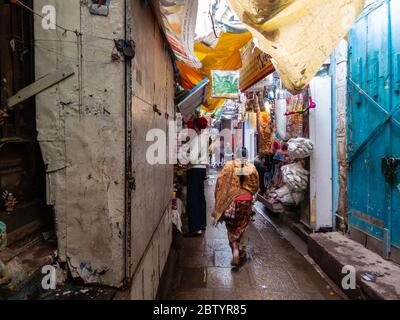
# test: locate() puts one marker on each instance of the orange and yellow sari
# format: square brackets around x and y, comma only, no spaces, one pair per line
[233,199]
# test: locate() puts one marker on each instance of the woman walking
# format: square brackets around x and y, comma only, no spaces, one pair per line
[236,185]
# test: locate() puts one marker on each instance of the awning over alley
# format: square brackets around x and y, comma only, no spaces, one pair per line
[297,36]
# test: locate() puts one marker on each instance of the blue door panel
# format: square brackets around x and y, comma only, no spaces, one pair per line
[374,66]
[395,41]
[358,119]
[396,191]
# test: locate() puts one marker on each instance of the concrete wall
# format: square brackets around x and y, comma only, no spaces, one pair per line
[320,131]
[341,128]
[153,83]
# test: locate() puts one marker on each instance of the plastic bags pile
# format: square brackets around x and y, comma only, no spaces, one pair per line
[295,177]
[176,213]
[288,197]
[300,148]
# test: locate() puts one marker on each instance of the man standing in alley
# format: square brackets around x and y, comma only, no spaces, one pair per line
[259,163]
[196,174]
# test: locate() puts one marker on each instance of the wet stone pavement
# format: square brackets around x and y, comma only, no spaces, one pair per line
[274,270]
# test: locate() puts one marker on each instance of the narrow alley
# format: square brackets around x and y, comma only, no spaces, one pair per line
[200,150]
[275,270]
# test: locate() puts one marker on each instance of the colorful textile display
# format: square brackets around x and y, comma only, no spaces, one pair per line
[294,123]
[251,102]
[265,136]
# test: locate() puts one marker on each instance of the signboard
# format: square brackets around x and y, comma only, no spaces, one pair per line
[225,84]
[193,99]
[256,65]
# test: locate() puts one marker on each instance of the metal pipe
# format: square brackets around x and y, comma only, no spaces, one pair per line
[128,153]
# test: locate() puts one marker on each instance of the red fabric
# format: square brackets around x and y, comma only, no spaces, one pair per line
[190,124]
[244,197]
[200,123]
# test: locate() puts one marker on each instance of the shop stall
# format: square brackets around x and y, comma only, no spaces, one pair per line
[293,145]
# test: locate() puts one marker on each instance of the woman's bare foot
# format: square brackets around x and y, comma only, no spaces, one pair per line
[236,256]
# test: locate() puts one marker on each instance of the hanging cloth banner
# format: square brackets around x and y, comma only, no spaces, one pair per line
[179,20]
[256,65]
[225,84]
[299,35]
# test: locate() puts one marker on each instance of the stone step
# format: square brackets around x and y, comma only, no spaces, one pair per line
[332,251]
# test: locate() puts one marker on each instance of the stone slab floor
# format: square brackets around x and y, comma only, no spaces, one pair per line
[274,270]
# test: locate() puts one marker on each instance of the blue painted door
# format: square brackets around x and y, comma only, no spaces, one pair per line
[374,123]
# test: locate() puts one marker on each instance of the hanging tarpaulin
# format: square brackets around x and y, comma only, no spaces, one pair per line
[225,84]
[233,26]
[256,65]
[299,35]
[225,56]
[179,20]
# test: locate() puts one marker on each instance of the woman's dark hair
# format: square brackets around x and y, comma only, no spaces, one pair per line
[243,152]
[200,123]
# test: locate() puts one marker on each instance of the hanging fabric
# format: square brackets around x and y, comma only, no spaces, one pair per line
[179,21]
[299,35]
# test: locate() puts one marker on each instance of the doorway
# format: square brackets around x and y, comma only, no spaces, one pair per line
[22,172]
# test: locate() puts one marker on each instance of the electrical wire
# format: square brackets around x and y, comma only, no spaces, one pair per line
[76,32]
[212,18]
[66,56]
[85,46]
[73,58]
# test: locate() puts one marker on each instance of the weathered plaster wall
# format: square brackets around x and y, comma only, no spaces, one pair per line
[153,83]
[341,129]
[81,134]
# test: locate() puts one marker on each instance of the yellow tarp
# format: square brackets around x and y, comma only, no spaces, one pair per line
[299,35]
[225,56]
